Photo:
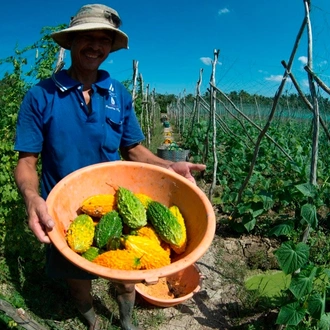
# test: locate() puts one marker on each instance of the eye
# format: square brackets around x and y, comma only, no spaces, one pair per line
[85,37]
[106,41]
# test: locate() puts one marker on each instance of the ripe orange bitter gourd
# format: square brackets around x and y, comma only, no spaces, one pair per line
[151,254]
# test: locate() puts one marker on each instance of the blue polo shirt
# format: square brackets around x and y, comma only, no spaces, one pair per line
[55,121]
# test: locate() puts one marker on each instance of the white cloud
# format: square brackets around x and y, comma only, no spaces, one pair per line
[223,11]
[276,78]
[303,59]
[208,61]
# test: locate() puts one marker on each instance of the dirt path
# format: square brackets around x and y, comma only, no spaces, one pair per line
[203,311]
[218,305]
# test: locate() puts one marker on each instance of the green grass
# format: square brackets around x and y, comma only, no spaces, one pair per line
[157,137]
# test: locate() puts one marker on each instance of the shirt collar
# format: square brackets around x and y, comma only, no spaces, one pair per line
[64,82]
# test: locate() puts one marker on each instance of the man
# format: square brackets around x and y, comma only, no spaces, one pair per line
[76,118]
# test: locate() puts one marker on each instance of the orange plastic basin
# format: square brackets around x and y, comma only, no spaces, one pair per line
[160,184]
[173,289]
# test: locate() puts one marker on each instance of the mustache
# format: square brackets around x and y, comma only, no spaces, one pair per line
[92,51]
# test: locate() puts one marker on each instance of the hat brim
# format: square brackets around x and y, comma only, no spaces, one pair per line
[63,37]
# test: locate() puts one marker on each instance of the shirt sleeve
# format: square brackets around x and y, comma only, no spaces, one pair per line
[29,137]
[132,132]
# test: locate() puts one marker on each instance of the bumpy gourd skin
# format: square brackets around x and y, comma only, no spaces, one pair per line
[80,233]
[181,246]
[149,232]
[131,209]
[144,199]
[119,259]
[165,223]
[151,254]
[110,225]
[98,205]
[91,253]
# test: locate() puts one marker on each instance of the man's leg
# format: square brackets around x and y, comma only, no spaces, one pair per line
[80,291]
[126,300]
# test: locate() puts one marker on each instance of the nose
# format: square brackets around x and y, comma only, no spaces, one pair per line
[95,43]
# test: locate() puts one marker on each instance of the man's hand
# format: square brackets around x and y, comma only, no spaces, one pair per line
[186,168]
[40,222]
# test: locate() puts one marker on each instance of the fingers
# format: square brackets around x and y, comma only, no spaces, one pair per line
[40,222]
[40,231]
[197,167]
[47,221]
[42,237]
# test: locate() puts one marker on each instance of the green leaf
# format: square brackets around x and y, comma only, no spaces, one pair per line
[291,257]
[256,213]
[249,224]
[308,213]
[291,314]
[326,271]
[307,189]
[316,306]
[325,322]
[244,208]
[267,201]
[282,229]
[302,283]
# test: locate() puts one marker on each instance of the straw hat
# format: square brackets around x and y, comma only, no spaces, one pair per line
[93,17]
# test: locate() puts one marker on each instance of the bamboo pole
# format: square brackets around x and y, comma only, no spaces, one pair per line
[254,124]
[213,121]
[142,115]
[20,316]
[196,107]
[304,98]
[147,112]
[271,115]
[198,93]
[183,107]
[60,60]
[135,75]
[154,115]
[318,80]
[316,120]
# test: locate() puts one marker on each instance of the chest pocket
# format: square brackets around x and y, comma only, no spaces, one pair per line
[114,124]
[114,119]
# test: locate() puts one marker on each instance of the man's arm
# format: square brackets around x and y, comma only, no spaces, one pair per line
[139,153]
[27,181]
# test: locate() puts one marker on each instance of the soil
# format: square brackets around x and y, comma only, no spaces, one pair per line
[222,302]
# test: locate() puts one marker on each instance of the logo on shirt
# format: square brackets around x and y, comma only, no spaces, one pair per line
[112,105]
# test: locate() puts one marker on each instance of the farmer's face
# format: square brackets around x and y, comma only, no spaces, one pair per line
[89,49]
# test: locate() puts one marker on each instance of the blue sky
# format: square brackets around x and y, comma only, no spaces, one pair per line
[172,40]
